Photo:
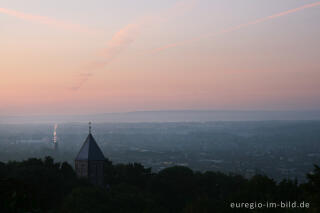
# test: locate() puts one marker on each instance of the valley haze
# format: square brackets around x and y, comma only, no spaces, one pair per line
[167,116]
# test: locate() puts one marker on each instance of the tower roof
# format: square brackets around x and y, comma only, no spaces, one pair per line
[90,150]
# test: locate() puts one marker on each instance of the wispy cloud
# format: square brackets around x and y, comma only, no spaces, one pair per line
[119,42]
[238,27]
[45,20]
[123,38]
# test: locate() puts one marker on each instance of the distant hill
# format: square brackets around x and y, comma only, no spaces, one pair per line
[168,116]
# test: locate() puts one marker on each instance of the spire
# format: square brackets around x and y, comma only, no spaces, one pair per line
[90,150]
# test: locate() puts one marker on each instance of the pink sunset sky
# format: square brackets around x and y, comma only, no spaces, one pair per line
[81,56]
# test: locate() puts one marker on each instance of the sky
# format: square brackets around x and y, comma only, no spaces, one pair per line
[97,56]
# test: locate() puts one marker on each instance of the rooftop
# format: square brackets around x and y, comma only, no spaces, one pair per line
[90,150]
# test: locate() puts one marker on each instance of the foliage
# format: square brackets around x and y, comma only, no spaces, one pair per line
[37,185]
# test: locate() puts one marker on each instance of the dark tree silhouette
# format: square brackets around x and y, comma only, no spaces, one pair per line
[37,185]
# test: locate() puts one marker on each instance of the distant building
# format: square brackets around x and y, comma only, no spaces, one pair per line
[55,141]
[89,161]
[55,146]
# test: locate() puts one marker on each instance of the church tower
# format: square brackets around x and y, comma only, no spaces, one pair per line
[89,161]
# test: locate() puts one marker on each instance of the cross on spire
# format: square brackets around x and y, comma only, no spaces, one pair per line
[90,127]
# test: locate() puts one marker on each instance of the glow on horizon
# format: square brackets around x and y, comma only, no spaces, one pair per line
[46,69]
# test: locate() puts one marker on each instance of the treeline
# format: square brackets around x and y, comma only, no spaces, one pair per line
[37,185]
